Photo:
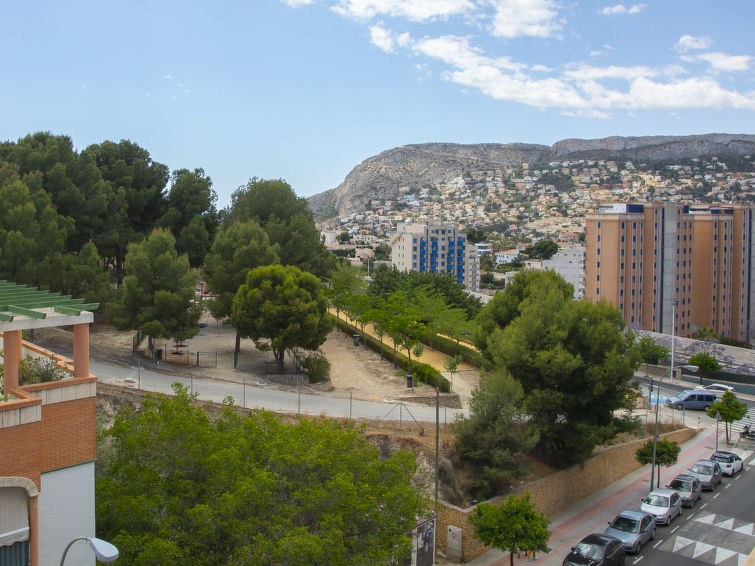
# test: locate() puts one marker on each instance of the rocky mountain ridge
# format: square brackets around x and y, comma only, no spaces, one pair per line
[430,164]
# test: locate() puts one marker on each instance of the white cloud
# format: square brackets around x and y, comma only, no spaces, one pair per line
[514,18]
[387,40]
[584,72]
[168,77]
[688,93]
[621,9]
[721,61]
[580,88]
[413,10]
[688,42]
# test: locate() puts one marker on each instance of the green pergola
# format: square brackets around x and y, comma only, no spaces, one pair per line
[19,300]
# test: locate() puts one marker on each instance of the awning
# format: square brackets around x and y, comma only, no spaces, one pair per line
[14,516]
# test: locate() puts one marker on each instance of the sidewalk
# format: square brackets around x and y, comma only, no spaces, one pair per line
[593,513]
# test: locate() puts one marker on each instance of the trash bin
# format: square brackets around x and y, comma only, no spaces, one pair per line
[356,339]
[159,354]
[410,381]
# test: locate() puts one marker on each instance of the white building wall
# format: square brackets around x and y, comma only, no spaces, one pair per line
[569,263]
[66,511]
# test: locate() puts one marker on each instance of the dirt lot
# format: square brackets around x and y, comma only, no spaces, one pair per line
[354,369]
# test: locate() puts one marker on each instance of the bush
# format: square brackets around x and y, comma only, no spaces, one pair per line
[449,347]
[316,367]
[38,370]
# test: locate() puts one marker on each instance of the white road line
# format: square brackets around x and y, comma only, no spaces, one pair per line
[657,544]
[636,560]
[690,516]
[727,486]
[703,506]
[676,528]
[716,495]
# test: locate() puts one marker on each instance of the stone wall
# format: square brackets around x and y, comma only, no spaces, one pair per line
[557,492]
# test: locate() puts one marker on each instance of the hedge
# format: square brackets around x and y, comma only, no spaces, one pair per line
[422,372]
[449,347]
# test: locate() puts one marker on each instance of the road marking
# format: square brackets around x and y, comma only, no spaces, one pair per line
[727,486]
[676,528]
[703,506]
[690,516]
[636,560]
[659,543]
[715,496]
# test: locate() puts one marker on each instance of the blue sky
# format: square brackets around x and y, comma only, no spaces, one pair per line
[304,90]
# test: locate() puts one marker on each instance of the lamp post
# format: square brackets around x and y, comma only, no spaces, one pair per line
[103,550]
[718,420]
[689,368]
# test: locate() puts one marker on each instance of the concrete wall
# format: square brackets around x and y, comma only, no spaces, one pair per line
[66,511]
[557,492]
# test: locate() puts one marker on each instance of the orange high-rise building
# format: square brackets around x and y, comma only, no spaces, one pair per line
[693,261]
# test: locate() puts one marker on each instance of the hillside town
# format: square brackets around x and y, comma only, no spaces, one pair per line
[526,203]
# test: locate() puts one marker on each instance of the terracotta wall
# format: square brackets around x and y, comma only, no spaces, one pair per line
[557,492]
[64,436]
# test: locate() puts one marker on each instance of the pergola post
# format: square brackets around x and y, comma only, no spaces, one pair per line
[11,357]
[81,350]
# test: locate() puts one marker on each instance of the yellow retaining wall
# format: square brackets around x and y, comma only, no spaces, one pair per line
[557,492]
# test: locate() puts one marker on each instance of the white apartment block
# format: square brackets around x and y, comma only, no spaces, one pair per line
[436,248]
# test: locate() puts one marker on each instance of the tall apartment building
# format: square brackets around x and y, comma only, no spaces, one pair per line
[436,248]
[569,263]
[694,262]
[47,435]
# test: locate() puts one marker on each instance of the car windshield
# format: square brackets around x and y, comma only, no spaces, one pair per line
[657,500]
[701,469]
[680,485]
[626,524]
[721,458]
[592,551]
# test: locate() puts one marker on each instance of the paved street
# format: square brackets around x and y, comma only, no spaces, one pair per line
[259,394]
[717,531]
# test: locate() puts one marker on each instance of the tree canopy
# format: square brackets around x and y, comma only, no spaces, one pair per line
[495,436]
[574,359]
[174,486]
[666,454]
[280,308]
[512,526]
[287,220]
[157,296]
[730,409]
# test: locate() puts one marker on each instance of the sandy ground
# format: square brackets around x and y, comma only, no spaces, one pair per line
[355,370]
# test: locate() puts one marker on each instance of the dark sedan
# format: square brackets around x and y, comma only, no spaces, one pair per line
[596,550]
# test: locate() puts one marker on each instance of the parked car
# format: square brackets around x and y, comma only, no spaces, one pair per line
[730,463]
[689,487]
[632,528]
[692,399]
[709,473]
[664,504]
[718,389]
[596,550]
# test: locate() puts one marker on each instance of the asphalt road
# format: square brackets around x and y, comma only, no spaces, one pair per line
[258,394]
[718,530]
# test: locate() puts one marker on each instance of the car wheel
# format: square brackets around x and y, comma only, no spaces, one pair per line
[679,406]
[652,537]
[706,408]
[635,548]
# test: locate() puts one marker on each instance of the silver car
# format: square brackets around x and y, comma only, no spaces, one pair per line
[689,487]
[664,504]
[708,472]
[632,528]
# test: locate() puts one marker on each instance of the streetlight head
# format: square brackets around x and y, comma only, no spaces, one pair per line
[690,368]
[103,550]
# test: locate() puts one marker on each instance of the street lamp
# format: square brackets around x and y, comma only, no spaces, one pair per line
[689,368]
[103,550]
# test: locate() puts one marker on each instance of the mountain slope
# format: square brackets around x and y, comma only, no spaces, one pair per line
[415,166]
